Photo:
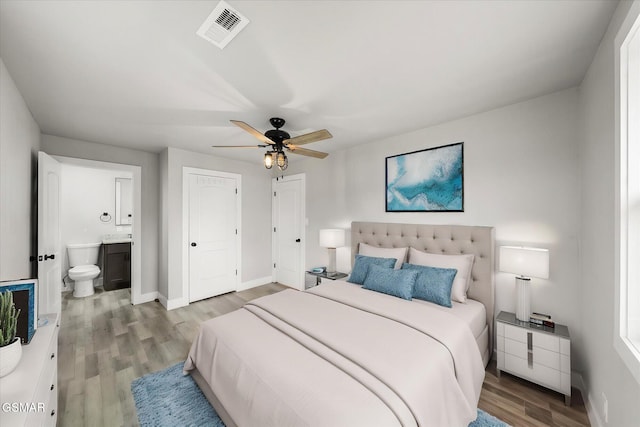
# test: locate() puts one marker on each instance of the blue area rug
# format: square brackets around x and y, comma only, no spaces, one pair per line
[168,398]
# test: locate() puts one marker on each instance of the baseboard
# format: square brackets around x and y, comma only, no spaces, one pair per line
[171,304]
[589,402]
[254,283]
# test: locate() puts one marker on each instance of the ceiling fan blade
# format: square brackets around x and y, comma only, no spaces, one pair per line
[318,135]
[239,146]
[252,131]
[306,152]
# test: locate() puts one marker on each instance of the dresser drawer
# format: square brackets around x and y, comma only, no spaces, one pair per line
[540,374]
[51,413]
[542,340]
[46,400]
[539,355]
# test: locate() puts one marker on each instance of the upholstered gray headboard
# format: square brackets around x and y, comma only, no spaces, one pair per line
[439,239]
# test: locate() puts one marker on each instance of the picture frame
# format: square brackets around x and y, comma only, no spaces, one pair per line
[25,299]
[429,180]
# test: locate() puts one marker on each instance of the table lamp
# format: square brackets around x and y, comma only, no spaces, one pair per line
[332,238]
[526,263]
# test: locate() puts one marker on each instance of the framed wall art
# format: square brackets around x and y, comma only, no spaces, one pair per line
[430,180]
[25,299]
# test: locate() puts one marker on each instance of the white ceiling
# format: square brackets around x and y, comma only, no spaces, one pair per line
[135,73]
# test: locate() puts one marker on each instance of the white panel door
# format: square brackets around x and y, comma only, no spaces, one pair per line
[288,234]
[49,265]
[213,236]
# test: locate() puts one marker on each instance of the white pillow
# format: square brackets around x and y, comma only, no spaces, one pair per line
[462,263]
[400,254]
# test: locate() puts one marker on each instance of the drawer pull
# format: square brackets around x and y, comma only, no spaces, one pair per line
[530,359]
[53,355]
[52,387]
[53,412]
[529,341]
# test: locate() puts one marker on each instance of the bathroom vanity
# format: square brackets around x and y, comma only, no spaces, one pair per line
[117,265]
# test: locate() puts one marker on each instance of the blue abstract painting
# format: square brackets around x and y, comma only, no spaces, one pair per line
[426,181]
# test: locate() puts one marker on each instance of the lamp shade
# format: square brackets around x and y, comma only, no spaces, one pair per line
[527,262]
[332,238]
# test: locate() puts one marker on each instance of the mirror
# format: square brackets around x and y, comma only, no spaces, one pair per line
[124,201]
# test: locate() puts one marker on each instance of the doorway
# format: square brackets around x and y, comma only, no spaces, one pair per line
[211,233]
[289,222]
[107,223]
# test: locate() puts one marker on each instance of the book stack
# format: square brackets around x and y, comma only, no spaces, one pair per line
[541,320]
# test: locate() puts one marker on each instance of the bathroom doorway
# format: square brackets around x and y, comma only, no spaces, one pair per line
[101,202]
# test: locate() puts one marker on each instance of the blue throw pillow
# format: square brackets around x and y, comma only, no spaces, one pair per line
[362,263]
[398,283]
[432,284]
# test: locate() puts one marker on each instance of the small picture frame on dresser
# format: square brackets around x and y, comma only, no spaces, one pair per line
[25,298]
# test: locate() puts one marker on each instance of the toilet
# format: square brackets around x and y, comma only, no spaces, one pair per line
[83,258]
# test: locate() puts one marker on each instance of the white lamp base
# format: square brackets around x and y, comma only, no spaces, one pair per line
[523,300]
[331,268]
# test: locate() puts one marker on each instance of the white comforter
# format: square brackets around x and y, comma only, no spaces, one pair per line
[339,355]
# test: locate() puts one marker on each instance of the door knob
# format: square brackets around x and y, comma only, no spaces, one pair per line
[52,256]
[194,244]
[298,240]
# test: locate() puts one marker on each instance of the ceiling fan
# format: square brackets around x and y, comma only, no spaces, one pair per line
[279,140]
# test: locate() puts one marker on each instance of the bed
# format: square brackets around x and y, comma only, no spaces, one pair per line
[341,355]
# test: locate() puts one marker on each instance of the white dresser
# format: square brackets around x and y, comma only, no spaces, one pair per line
[29,394]
[539,354]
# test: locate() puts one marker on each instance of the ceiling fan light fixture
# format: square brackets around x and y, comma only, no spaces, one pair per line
[268,160]
[279,140]
[286,163]
[281,160]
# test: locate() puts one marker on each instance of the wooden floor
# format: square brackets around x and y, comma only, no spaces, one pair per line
[105,343]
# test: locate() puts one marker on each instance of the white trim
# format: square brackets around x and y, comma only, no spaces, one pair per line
[186,171]
[254,283]
[627,351]
[136,227]
[578,382]
[303,225]
[172,304]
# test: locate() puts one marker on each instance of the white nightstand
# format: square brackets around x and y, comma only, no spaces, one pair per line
[536,353]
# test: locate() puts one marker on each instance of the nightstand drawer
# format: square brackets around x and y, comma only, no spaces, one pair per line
[542,340]
[539,355]
[540,374]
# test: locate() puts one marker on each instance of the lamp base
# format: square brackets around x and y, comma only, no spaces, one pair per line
[523,300]
[331,268]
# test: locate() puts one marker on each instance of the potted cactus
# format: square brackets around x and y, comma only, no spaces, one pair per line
[10,346]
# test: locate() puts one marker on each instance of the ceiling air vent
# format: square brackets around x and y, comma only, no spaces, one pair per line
[222,25]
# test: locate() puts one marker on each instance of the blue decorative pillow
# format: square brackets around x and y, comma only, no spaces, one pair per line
[433,284]
[362,263]
[398,283]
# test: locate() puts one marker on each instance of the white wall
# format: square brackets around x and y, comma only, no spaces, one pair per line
[85,193]
[19,145]
[256,218]
[521,176]
[604,371]
[148,162]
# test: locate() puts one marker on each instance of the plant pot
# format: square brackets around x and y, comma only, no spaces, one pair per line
[10,357]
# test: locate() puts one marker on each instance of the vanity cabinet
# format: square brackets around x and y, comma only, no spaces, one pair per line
[117,266]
